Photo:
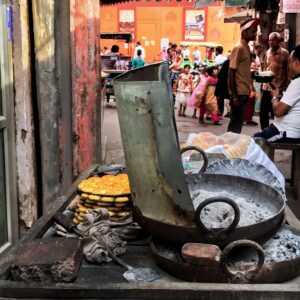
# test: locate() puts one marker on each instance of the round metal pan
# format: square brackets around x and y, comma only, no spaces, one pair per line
[168,257]
[238,187]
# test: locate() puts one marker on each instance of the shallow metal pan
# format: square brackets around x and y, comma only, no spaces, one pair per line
[168,257]
[238,187]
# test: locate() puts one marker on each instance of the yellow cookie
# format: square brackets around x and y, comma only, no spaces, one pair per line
[84,195]
[122,199]
[113,208]
[121,204]
[94,197]
[108,199]
[83,209]
[111,213]
[76,221]
[80,218]
[103,203]
[123,214]
[88,201]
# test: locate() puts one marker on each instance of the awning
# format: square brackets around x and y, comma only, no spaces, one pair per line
[240,16]
[112,2]
[127,36]
[109,2]
[203,3]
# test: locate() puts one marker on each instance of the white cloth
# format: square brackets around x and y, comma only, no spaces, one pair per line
[196,55]
[290,122]
[142,49]
[254,153]
[220,59]
[186,53]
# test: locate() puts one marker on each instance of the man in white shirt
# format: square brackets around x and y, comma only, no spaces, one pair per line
[186,52]
[220,58]
[286,126]
[196,56]
[139,47]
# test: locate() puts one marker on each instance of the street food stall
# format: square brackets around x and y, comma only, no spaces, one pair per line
[113,65]
[172,209]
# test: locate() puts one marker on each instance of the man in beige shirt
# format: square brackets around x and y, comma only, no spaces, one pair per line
[239,75]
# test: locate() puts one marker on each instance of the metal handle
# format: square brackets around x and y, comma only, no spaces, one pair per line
[205,159]
[217,234]
[119,260]
[101,170]
[245,275]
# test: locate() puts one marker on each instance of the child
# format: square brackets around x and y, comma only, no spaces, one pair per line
[197,100]
[138,61]
[210,98]
[184,86]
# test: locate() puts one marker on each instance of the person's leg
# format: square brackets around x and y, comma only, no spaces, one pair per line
[180,110]
[249,111]
[220,105]
[237,114]
[265,109]
[227,105]
[183,110]
[202,112]
[194,114]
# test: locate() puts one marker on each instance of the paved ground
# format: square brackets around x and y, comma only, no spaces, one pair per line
[113,149]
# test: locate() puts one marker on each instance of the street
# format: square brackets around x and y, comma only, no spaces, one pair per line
[112,149]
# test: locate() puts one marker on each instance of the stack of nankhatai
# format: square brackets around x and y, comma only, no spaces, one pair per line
[108,191]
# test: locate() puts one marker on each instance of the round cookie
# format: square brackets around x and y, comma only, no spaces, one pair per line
[108,199]
[121,199]
[75,220]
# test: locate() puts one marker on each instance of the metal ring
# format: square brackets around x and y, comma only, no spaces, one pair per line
[245,276]
[205,159]
[213,234]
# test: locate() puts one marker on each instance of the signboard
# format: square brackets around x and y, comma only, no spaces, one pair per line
[236,2]
[291,6]
[194,27]
[126,20]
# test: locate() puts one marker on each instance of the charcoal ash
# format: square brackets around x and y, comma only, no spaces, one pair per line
[221,215]
[283,246]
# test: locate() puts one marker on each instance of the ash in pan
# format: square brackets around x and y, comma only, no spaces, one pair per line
[283,246]
[220,215]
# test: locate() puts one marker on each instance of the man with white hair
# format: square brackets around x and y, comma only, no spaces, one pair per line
[276,60]
[239,75]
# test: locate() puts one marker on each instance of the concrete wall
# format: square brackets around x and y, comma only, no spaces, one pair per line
[166,20]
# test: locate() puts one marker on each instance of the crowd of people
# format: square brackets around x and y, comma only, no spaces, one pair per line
[231,77]
[280,98]
[198,84]
[228,82]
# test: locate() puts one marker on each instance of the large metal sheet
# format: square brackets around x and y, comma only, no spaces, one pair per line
[150,144]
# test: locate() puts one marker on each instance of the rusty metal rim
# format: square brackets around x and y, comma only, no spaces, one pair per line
[185,234]
[270,272]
